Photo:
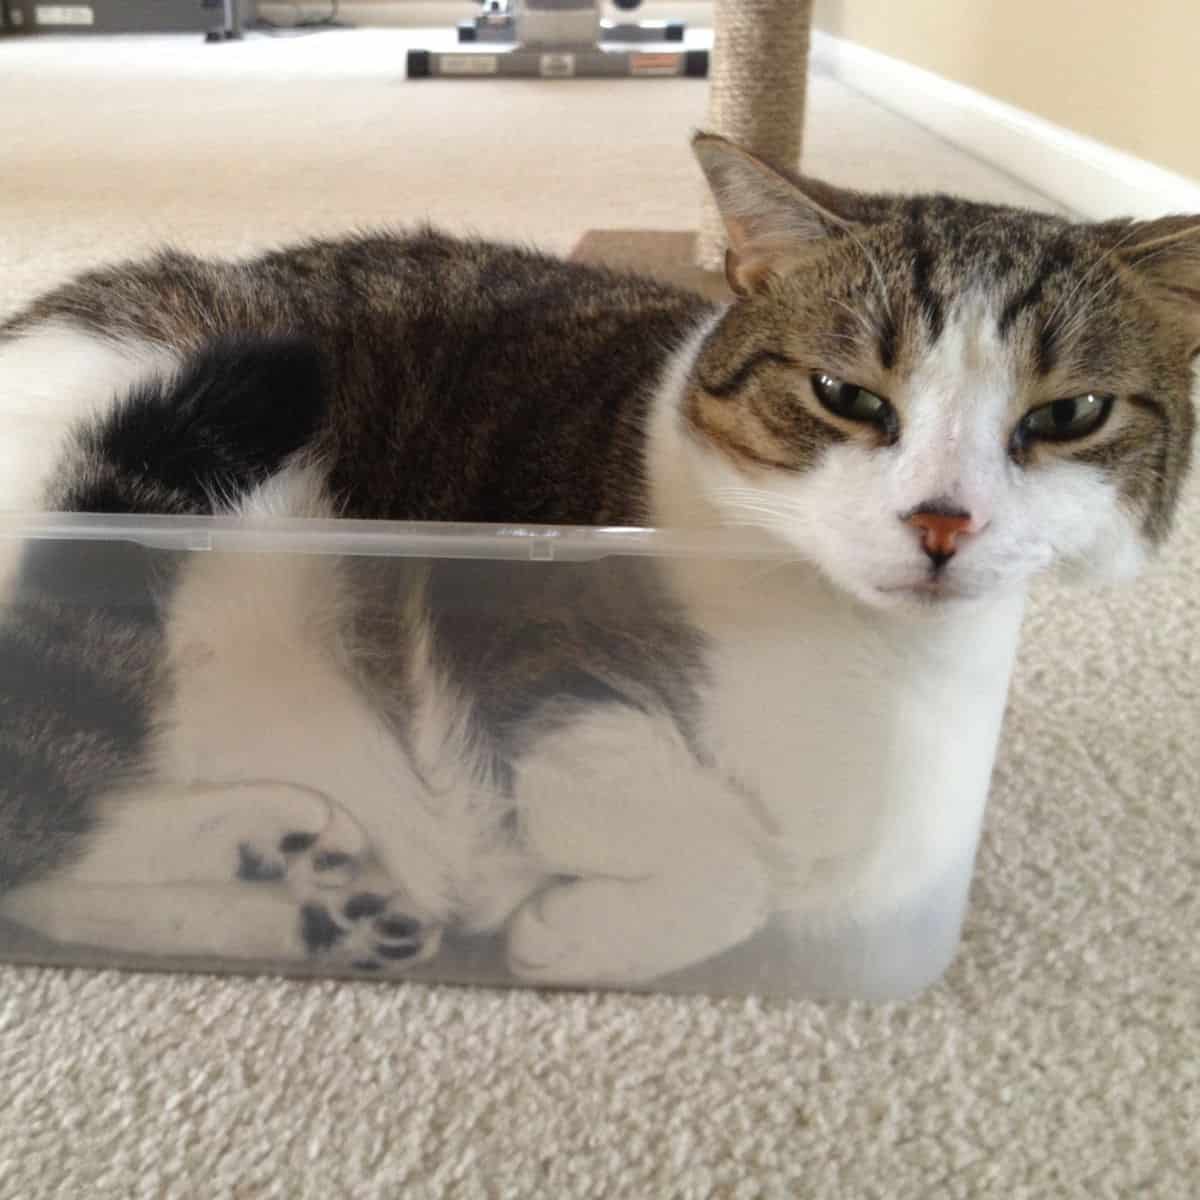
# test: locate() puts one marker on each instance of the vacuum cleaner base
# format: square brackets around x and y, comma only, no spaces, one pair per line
[555,64]
[560,39]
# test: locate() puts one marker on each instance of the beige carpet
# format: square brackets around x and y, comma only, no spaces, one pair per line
[1060,1055]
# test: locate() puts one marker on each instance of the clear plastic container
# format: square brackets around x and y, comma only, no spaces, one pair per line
[536,756]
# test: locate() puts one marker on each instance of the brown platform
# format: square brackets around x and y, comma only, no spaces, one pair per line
[664,254]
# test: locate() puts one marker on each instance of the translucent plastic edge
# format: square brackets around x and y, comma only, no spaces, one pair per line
[395,539]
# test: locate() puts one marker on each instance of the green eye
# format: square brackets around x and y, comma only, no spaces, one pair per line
[854,403]
[1065,420]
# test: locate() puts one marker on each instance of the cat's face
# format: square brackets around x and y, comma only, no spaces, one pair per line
[934,399]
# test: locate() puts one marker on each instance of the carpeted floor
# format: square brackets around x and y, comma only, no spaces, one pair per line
[1061,1055]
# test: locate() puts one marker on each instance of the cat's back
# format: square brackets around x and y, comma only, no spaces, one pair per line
[469,380]
[483,382]
[419,281]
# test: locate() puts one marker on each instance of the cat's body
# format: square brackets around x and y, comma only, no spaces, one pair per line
[460,423]
[627,766]
[444,365]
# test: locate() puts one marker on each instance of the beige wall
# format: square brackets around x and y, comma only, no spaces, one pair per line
[1126,72]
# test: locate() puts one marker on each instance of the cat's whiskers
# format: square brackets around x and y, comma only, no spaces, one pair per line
[761,510]
[749,507]
[757,498]
[1100,261]
[774,516]
[841,337]
[840,351]
[861,317]
[874,264]
[1081,313]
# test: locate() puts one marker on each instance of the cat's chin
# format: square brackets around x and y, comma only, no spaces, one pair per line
[921,596]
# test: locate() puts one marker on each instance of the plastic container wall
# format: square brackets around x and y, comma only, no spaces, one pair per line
[551,757]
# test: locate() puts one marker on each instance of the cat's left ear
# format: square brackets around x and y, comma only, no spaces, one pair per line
[1166,253]
[770,217]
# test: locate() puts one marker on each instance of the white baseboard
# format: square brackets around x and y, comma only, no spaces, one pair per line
[1086,176]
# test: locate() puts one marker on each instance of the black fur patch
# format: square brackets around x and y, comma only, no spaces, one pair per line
[36,837]
[929,301]
[1045,352]
[119,578]
[1058,257]
[40,665]
[234,415]
[888,338]
[76,693]
[536,646]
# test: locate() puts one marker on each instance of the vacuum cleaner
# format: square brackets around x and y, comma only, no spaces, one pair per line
[560,39]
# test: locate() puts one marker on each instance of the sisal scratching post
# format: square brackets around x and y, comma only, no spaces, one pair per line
[756,93]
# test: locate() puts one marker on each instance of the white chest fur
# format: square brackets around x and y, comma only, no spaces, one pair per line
[864,737]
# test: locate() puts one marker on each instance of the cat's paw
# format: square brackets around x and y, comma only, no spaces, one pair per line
[573,934]
[367,931]
[350,914]
[325,850]
[628,931]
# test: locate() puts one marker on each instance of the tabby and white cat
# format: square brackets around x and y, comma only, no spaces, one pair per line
[925,400]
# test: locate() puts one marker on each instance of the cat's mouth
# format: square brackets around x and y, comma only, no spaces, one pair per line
[931,589]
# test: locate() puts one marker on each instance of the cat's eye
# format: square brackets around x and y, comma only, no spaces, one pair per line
[854,403]
[1065,420]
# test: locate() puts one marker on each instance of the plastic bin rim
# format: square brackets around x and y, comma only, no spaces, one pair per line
[398,539]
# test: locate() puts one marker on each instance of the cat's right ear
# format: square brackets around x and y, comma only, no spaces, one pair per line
[768,217]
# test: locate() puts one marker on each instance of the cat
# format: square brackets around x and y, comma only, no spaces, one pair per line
[624,768]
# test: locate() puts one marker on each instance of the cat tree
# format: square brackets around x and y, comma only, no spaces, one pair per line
[758,79]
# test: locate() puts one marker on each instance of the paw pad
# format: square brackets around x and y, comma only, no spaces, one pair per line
[398,927]
[365,904]
[318,929]
[257,868]
[296,843]
[366,925]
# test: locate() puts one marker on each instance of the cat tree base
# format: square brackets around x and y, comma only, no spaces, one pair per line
[666,255]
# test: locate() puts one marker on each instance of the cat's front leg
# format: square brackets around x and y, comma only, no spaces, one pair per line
[660,859]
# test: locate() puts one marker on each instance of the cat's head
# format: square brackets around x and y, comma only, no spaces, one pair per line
[931,398]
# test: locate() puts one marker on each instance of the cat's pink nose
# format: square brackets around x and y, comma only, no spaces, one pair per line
[940,529]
